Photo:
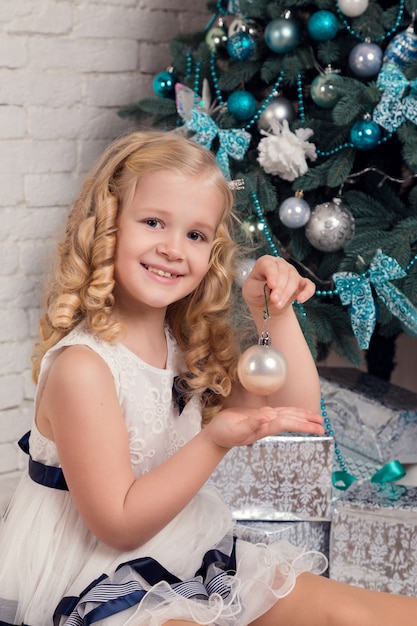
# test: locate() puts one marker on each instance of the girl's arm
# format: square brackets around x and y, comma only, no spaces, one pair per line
[79,410]
[284,285]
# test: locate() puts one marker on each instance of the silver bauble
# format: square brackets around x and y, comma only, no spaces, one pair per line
[262,369]
[243,270]
[330,226]
[294,212]
[353,8]
[278,110]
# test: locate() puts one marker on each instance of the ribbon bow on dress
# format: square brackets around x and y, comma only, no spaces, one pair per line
[393,110]
[355,289]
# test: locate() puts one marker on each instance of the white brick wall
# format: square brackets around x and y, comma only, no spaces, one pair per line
[66,66]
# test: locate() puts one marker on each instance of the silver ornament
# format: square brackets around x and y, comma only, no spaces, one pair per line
[294,212]
[243,270]
[353,8]
[331,225]
[262,369]
[278,110]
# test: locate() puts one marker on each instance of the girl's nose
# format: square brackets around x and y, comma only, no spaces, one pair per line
[170,248]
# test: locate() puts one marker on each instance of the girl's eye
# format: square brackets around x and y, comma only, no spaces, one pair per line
[153,223]
[196,236]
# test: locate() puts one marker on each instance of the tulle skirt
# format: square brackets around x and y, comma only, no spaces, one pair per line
[54,571]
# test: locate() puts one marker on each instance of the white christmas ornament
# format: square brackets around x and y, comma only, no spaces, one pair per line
[283,153]
[353,8]
[243,270]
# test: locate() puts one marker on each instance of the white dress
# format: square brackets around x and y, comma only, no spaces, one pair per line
[54,571]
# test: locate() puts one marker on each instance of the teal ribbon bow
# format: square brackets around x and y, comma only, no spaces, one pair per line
[233,142]
[355,290]
[393,109]
[388,473]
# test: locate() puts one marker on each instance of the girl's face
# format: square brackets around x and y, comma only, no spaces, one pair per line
[164,239]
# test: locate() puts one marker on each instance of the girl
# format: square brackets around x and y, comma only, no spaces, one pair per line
[113,524]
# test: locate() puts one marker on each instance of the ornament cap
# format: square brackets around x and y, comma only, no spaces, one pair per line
[265,339]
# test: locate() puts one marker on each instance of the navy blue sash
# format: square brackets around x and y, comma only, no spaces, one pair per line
[114,598]
[45,475]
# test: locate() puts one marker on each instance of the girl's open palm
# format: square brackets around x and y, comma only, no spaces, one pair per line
[239,427]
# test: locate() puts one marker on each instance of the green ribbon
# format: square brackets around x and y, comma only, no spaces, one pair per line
[388,473]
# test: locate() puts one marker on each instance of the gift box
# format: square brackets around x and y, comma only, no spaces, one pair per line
[311,535]
[373,539]
[369,415]
[285,477]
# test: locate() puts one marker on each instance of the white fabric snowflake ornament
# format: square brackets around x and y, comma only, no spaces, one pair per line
[283,153]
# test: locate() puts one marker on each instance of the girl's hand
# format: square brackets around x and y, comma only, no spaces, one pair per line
[283,285]
[240,427]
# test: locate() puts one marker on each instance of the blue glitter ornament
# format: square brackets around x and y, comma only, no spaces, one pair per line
[365,134]
[402,50]
[282,35]
[323,25]
[241,46]
[164,84]
[242,105]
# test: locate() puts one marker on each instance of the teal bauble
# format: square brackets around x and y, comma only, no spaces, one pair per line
[282,35]
[242,105]
[323,25]
[164,84]
[365,134]
[241,46]
[324,90]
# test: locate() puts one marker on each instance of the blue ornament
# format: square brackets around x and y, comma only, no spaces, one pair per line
[282,35]
[365,134]
[294,212]
[402,50]
[242,105]
[241,46]
[323,25]
[164,84]
[365,59]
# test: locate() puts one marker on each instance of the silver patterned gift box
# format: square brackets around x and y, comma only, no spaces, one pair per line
[373,538]
[311,535]
[285,477]
[369,415]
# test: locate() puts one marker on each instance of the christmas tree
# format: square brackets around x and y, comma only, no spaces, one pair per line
[313,106]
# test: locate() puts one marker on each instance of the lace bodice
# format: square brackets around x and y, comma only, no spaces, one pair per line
[155,428]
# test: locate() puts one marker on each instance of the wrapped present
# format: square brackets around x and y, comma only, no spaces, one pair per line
[373,538]
[285,477]
[311,535]
[369,415]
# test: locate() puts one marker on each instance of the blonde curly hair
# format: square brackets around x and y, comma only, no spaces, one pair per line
[81,286]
